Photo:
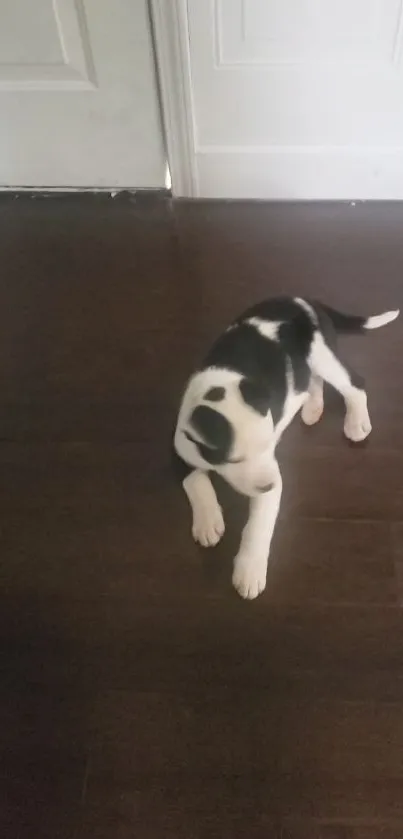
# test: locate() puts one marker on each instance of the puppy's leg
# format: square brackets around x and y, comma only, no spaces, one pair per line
[324,362]
[313,407]
[250,565]
[208,523]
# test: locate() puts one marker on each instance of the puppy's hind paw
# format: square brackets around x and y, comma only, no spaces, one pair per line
[312,411]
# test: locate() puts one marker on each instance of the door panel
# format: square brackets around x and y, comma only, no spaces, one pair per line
[297,98]
[78,95]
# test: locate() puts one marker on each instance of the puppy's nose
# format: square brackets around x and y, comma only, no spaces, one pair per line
[265,488]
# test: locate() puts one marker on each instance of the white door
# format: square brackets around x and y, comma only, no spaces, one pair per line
[296,98]
[78,95]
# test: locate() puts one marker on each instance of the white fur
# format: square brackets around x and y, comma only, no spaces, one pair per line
[324,363]
[313,407]
[307,308]
[208,523]
[250,564]
[357,424]
[197,386]
[293,403]
[267,328]
[381,320]
[254,433]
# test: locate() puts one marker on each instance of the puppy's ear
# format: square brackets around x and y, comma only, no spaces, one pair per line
[216,432]
[256,394]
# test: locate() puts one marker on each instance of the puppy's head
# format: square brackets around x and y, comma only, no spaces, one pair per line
[231,428]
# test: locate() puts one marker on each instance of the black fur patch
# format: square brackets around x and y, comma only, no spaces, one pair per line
[344,324]
[275,309]
[326,326]
[215,394]
[356,379]
[256,394]
[260,361]
[294,335]
[332,322]
[215,430]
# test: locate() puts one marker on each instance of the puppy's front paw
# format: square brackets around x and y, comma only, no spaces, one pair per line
[357,426]
[208,526]
[249,576]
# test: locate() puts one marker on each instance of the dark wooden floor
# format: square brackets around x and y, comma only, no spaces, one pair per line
[139,697]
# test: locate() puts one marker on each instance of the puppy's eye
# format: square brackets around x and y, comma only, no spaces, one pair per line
[236,460]
[189,437]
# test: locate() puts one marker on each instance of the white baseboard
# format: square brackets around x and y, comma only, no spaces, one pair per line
[300,173]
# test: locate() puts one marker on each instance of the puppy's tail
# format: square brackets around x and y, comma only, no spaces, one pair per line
[354,324]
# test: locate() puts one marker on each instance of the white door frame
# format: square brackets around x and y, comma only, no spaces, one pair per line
[171,38]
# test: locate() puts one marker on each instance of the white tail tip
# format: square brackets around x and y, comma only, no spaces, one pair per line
[381,320]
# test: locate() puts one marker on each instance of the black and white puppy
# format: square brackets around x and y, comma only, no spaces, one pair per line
[269,364]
